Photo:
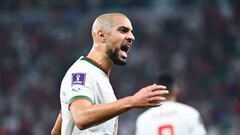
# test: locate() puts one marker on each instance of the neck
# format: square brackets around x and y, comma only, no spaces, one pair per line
[171,98]
[101,58]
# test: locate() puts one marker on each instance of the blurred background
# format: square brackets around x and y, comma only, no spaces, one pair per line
[198,41]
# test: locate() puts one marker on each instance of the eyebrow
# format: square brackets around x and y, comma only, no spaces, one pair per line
[125,28]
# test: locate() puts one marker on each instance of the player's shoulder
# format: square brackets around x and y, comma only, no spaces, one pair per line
[78,68]
[187,108]
[141,117]
[79,65]
[148,113]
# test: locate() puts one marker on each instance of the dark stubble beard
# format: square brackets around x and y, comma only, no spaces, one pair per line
[113,55]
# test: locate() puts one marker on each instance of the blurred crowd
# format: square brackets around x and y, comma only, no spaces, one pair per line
[198,41]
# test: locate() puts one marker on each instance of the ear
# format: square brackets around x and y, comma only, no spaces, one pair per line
[101,36]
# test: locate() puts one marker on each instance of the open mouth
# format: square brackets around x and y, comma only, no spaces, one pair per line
[125,48]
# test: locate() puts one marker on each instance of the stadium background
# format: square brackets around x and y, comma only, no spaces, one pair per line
[196,40]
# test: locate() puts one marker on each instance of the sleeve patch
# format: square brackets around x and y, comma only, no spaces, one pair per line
[78,78]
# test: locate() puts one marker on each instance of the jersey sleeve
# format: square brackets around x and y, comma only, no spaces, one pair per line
[78,85]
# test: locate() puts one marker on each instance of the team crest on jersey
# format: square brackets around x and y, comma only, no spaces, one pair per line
[78,78]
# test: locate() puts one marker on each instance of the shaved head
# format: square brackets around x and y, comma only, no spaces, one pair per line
[112,35]
[104,22]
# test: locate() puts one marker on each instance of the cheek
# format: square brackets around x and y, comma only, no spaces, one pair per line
[116,39]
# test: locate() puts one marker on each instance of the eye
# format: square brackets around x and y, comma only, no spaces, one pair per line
[123,29]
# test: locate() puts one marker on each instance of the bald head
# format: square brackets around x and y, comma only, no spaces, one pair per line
[112,35]
[104,22]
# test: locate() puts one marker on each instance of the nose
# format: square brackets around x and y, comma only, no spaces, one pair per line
[130,37]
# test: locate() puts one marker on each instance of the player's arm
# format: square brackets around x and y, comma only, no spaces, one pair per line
[86,115]
[57,127]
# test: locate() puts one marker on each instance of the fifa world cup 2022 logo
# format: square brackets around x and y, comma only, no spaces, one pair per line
[78,78]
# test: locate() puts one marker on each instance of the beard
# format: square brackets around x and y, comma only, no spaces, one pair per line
[114,56]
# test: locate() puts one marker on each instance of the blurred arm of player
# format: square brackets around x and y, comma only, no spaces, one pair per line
[86,115]
[57,127]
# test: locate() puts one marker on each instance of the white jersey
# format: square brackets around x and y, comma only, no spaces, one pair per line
[85,79]
[171,118]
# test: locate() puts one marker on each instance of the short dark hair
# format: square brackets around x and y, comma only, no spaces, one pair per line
[167,80]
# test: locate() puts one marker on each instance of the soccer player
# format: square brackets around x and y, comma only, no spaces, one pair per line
[88,102]
[171,118]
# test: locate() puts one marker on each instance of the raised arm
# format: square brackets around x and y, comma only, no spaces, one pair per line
[86,115]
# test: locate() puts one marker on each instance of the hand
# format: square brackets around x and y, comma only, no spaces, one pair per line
[150,96]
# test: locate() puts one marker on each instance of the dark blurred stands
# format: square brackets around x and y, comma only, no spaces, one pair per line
[196,40]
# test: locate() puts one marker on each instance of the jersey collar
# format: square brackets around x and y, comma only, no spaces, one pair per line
[93,62]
